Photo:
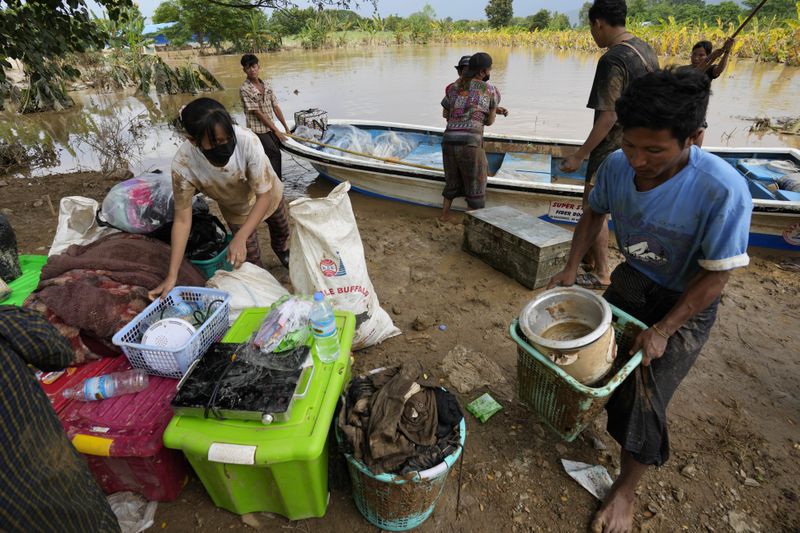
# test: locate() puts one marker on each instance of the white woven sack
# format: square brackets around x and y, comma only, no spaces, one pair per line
[327,255]
[249,286]
[77,224]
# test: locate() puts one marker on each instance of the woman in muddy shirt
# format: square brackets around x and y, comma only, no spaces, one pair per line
[226,163]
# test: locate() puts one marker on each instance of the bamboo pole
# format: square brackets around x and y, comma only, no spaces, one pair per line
[749,17]
[752,14]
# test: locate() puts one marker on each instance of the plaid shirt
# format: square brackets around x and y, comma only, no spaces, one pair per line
[44,484]
[253,100]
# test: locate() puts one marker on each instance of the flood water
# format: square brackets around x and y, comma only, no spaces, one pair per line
[545,91]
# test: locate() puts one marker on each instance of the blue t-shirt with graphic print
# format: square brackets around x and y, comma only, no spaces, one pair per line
[699,218]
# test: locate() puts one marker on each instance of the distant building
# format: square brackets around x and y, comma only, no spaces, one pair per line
[155,32]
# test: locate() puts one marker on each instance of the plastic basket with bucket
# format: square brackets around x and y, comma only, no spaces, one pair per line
[396,503]
[566,370]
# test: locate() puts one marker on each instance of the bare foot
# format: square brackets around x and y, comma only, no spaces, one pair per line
[448,220]
[616,513]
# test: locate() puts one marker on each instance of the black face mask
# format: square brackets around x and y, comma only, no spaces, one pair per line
[486,78]
[220,154]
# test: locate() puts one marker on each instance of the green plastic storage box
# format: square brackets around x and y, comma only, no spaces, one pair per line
[24,285]
[282,467]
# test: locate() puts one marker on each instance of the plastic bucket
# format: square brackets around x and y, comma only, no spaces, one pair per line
[210,266]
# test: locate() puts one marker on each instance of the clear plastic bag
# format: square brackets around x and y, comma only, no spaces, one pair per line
[285,327]
[139,205]
[388,144]
[134,513]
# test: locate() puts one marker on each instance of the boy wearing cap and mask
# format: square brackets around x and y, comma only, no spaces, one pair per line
[468,105]
[463,63]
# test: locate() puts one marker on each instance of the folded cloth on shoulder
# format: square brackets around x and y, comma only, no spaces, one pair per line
[90,292]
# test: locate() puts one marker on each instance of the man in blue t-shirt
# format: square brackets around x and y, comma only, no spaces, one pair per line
[681,218]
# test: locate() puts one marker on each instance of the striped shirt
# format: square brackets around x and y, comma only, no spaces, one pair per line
[44,484]
[253,100]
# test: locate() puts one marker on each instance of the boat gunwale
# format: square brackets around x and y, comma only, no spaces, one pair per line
[760,206]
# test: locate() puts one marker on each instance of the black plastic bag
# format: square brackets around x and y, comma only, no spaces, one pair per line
[207,238]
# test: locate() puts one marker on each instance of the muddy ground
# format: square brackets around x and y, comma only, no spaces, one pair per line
[733,423]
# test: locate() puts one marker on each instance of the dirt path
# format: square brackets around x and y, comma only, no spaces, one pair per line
[733,423]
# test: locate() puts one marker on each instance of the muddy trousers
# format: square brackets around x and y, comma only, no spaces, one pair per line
[465,173]
[278,224]
[637,410]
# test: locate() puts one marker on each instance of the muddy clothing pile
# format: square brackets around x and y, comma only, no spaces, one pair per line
[399,420]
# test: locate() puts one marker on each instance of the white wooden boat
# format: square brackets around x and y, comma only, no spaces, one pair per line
[523,173]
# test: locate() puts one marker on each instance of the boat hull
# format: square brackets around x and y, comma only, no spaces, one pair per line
[774,224]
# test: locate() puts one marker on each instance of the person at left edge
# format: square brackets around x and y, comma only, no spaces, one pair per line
[260,110]
[226,163]
[45,483]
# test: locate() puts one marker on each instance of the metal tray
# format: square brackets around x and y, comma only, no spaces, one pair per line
[179,407]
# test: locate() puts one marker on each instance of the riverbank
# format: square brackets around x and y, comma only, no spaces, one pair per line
[776,43]
[733,423]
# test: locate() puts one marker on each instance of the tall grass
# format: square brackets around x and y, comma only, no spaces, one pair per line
[776,41]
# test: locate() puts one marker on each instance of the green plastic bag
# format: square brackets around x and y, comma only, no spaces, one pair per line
[484,407]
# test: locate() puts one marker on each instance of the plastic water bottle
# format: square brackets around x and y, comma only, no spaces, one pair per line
[323,324]
[179,309]
[108,386]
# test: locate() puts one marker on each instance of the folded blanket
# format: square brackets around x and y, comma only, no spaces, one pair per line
[90,292]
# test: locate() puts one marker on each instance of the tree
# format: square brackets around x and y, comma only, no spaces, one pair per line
[392,22]
[420,24]
[727,12]
[39,33]
[541,20]
[559,22]
[204,21]
[583,14]
[317,5]
[128,62]
[499,13]
[286,22]
[779,9]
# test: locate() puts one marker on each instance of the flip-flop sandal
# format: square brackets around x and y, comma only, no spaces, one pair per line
[590,281]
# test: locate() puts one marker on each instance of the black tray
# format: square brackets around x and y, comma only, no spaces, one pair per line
[246,391]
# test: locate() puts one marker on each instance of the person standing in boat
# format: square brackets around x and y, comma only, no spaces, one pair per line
[681,218]
[627,58]
[226,163]
[703,60]
[468,105]
[260,110]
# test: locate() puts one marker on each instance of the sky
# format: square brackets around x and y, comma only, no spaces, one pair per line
[457,9]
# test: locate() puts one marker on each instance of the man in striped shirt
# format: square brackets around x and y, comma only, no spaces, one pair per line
[260,109]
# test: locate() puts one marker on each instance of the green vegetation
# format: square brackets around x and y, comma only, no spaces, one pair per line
[499,13]
[40,34]
[209,23]
[129,64]
[672,28]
